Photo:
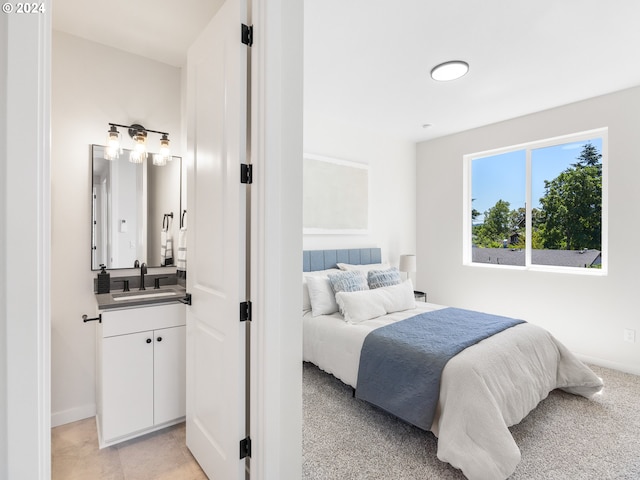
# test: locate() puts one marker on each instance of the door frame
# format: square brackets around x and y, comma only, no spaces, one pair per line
[276,240]
[25,239]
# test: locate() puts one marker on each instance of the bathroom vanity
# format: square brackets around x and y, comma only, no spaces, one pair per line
[140,368]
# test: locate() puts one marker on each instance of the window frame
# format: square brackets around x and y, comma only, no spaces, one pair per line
[467,244]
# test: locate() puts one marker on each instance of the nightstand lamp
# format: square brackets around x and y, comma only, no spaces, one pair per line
[408,264]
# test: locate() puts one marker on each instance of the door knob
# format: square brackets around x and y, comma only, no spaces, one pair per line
[148,340]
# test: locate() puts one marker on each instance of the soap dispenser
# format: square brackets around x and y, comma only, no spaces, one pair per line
[104,280]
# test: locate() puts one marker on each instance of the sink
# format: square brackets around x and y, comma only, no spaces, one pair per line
[117,297]
[136,298]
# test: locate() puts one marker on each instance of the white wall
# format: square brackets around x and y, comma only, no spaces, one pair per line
[91,85]
[392,194]
[587,313]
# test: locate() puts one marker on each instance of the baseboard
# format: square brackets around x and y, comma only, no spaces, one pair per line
[72,415]
[622,367]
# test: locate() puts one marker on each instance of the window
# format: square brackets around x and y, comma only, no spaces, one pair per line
[540,205]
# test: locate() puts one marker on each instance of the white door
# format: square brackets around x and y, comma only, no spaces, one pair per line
[216,138]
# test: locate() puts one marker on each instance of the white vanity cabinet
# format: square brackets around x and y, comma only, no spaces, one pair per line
[140,370]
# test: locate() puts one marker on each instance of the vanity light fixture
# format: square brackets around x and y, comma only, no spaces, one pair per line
[139,152]
[165,151]
[139,135]
[113,150]
[448,71]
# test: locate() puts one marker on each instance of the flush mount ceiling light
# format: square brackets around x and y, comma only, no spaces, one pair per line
[448,71]
[139,135]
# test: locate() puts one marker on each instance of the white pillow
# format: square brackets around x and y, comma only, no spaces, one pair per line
[306,301]
[321,296]
[397,298]
[359,306]
[364,268]
[364,305]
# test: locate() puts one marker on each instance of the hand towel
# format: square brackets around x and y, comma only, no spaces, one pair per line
[163,246]
[166,248]
[169,251]
[181,262]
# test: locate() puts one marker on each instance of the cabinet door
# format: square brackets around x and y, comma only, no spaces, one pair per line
[127,388]
[169,374]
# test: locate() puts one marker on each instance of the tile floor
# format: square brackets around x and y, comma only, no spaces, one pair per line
[159,455]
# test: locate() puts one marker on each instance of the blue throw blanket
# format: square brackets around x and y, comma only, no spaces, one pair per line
[401,364]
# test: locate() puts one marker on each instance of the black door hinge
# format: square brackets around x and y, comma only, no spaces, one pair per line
[246,173]
[245,311]
[247,35]
[245,448]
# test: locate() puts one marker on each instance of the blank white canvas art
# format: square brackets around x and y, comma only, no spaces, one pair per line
[335,196]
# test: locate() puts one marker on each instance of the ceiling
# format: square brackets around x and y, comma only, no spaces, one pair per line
[367,62]
[161,30]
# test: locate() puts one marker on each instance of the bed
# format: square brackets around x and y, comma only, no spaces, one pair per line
[483,389]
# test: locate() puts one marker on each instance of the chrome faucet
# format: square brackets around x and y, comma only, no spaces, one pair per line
[143,270]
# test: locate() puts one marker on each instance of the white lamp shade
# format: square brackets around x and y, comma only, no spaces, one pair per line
[407,263]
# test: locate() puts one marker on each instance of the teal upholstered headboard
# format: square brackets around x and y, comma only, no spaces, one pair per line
[313,260]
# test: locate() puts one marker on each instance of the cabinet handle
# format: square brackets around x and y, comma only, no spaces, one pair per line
[159,339]
[148,340]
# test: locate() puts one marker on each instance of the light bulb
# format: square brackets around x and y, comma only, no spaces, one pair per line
[141,144]
[113,150]
[165,151]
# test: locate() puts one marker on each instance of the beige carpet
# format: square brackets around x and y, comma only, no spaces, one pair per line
[565,437]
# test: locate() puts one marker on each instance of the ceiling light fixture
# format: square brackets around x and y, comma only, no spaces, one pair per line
[139,135]
[448,71]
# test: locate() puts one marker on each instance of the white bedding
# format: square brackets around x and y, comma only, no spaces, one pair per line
[484,389]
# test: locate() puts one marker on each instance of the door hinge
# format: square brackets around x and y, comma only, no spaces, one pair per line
[247,35]
[246,173]
[245,311]
[245,448]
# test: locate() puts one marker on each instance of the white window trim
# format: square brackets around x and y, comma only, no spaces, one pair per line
[467,207]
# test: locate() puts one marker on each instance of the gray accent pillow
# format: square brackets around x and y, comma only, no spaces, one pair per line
[383,278]
[349,281]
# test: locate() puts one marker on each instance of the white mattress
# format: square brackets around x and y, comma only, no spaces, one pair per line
[484,389]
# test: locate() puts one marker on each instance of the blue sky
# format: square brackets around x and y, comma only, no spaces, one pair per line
[504,176]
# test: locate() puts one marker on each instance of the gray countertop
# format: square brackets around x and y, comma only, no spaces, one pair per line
[134,298]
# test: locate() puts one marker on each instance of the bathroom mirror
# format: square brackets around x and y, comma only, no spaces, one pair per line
[130,206]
